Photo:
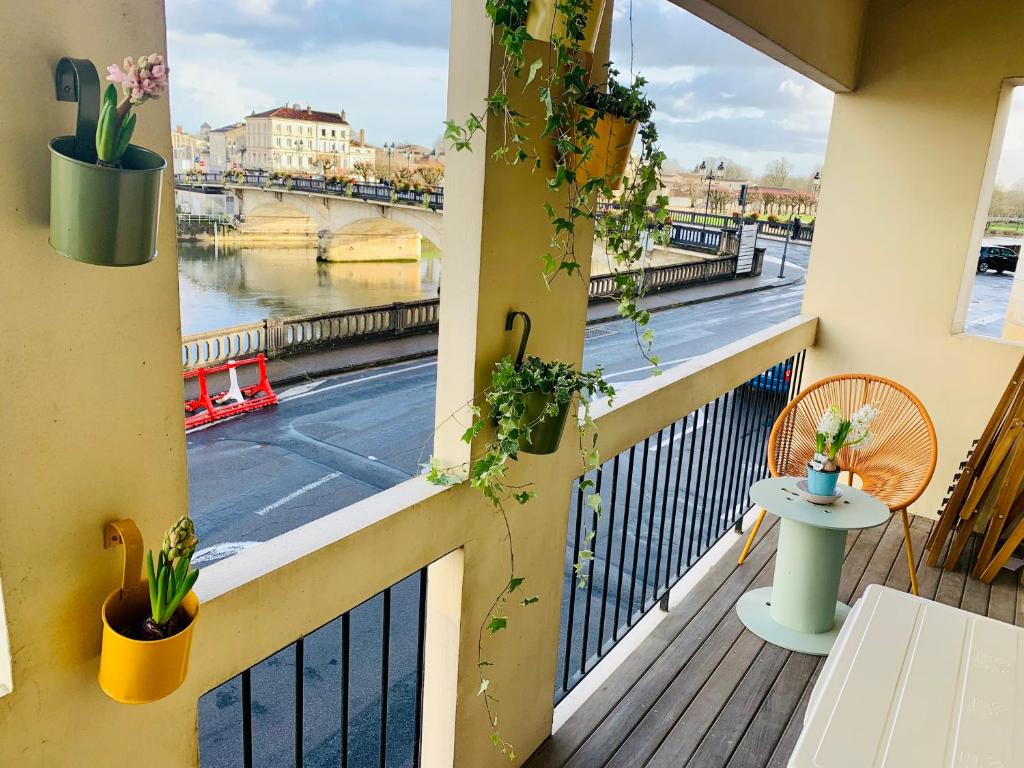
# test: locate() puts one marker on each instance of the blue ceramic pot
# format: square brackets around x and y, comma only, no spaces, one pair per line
[822,483]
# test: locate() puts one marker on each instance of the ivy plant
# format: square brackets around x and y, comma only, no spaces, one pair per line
[506,401]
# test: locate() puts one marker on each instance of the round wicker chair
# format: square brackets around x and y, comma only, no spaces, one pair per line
[896,466]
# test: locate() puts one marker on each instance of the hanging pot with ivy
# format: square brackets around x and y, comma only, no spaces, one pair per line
[545,19]
[616,111]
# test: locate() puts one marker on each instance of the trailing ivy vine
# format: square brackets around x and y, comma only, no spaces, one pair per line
[619,206]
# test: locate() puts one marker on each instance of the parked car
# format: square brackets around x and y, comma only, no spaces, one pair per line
[771,379]
[998,257]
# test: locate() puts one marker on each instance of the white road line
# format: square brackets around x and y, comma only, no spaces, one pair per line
[298,492]
[662,364]
[698,423]
[384,374]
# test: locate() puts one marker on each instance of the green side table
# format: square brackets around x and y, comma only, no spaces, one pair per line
[801,610]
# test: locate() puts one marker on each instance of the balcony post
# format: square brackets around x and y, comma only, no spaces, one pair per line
[496,231]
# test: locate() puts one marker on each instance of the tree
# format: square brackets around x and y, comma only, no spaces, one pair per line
[431,174]
[777,173]
[364,170]
[719,198]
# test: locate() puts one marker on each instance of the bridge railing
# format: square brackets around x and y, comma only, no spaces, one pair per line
[371,192]
[275,337]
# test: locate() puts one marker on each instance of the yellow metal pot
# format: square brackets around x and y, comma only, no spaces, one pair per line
[612,146]
[140,671]
[543,20]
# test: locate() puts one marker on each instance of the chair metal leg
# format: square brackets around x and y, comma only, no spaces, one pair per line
[751,537]
[909,547]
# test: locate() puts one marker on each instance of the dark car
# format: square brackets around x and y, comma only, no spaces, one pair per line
[998,257]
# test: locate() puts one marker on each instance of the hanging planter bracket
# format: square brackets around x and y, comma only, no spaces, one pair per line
[509,322]
[126,533]
[76,80]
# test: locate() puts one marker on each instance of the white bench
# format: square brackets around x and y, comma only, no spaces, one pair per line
[912,683]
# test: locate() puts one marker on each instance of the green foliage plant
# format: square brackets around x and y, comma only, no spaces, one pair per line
[170,576]
[506,408]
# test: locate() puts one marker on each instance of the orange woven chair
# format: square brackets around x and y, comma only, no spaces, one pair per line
[896,466]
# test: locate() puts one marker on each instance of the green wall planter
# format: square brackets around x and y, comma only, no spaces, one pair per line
[102,215]
[545,436]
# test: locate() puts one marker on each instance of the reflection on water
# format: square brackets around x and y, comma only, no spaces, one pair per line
[244,285]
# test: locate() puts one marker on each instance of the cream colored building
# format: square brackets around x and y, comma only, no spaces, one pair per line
[227,147]
[295,140]
[189,152]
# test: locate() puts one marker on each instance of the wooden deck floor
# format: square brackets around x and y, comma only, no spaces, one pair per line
[702,691]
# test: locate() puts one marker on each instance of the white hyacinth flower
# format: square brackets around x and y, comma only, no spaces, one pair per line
[831,421]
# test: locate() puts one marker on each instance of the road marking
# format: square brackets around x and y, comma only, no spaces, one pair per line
[382,375]
[221,551]
[298,492]
[647,367]
[698,423]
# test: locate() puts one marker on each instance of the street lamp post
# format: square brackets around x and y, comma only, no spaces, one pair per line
[390,151]
[709,174]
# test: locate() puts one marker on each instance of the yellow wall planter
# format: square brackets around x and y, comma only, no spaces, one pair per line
[543,20]
[612,146]
[139,671]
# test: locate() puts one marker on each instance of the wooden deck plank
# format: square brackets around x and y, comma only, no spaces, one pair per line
[721,740]
[784,749]
[559,748]
[682,741]
[710,694]
[769,724]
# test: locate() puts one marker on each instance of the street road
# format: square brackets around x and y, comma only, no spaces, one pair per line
[336,440]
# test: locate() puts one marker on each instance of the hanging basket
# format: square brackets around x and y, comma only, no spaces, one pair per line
[547,434]
[543,20]
[610,154]
[141,671]
[102,215]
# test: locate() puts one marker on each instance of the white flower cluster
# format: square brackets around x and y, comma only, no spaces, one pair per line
[860,433]
[831,422]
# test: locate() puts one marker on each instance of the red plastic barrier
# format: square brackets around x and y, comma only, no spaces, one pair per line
[204,408]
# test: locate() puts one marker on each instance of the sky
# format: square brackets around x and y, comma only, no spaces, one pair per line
[385,63]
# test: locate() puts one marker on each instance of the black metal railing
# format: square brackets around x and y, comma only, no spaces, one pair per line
[349,693]
[804,233]
[372,192]
[667,500]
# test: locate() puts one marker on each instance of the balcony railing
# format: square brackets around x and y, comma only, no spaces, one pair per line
[331,567]
[668,500]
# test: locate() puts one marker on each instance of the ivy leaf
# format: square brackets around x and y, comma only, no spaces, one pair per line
[534,69]
[497,623]
[531,600]
[484,664]
[594,501]
[484,684]
[515,583]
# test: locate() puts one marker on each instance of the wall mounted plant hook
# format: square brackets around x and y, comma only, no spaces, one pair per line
[77,80]
[509,321]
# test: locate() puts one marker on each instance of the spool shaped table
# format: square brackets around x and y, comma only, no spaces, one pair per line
[801,610]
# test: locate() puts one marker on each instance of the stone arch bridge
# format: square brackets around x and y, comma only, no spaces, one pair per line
[331,208]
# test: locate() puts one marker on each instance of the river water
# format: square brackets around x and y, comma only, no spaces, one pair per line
[230,286]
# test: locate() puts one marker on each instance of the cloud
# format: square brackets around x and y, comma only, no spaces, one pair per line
[385,62]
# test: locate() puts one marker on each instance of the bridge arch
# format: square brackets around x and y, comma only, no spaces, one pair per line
[331,214]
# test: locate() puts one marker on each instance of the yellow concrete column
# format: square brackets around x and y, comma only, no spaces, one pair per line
[906,183]
[496,231]
[91,425]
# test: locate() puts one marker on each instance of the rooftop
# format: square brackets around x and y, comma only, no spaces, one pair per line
[294,113]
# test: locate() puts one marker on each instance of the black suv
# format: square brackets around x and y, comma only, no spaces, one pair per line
[997,257]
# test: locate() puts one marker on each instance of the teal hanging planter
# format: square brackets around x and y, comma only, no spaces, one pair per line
[546,430]
[103,215]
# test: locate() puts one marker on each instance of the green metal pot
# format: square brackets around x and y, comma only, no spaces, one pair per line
[102,215]
[545,435]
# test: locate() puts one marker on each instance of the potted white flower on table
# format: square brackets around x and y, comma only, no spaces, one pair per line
[834,433]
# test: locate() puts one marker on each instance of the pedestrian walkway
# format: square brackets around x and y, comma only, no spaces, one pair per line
[352,357]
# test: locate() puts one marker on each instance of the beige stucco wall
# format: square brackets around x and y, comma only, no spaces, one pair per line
[818,38]
[90,426]
[895,244]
